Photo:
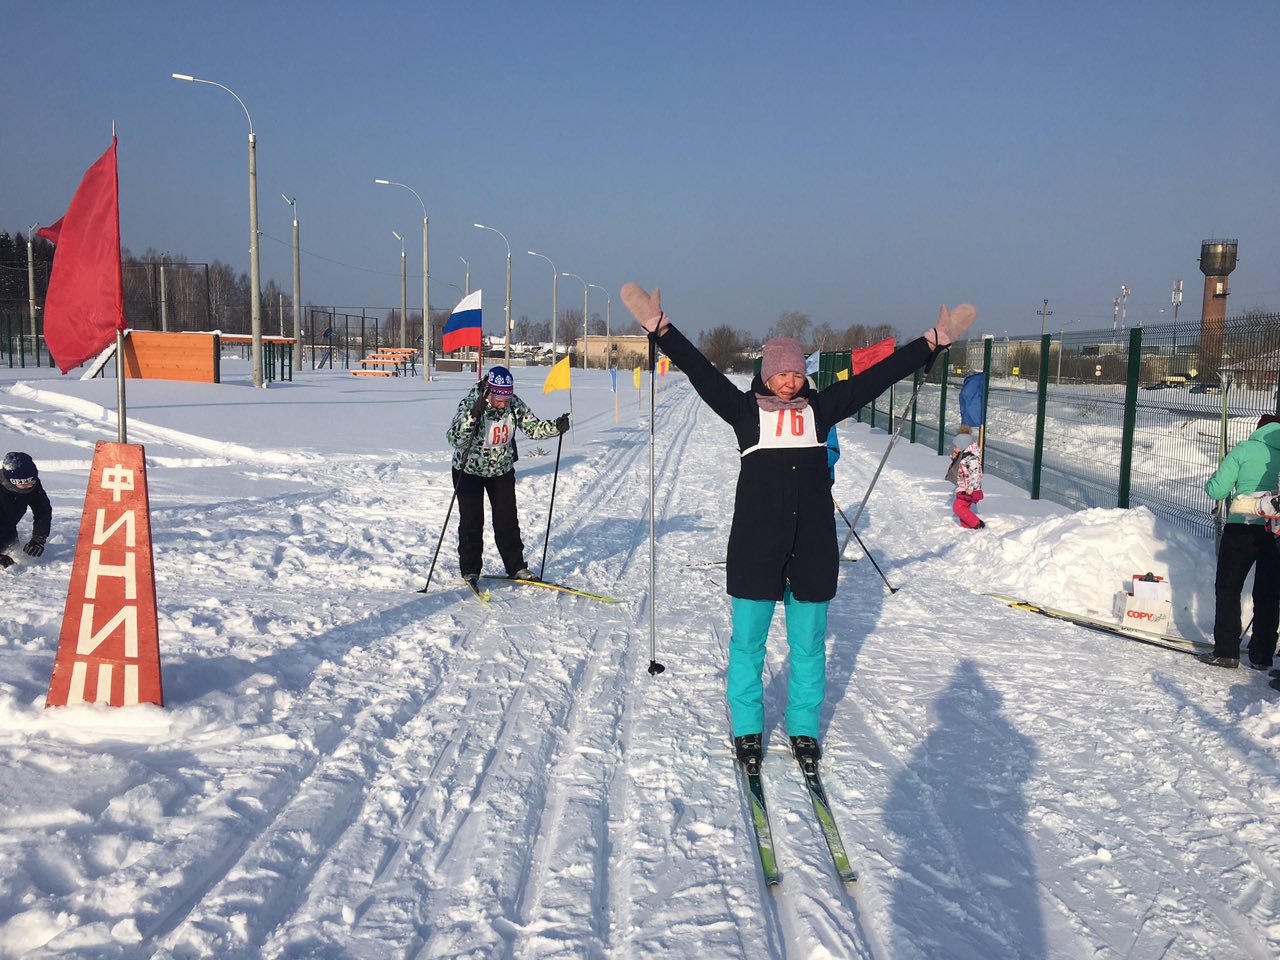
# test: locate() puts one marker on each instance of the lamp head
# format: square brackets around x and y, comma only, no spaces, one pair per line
[383,182]
[183,76]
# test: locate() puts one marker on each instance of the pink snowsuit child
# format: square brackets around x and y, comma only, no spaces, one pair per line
[966,473]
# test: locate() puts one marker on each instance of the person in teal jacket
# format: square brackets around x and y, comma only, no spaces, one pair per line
[1253,465]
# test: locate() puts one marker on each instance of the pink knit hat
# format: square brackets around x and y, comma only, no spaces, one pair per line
[781,355]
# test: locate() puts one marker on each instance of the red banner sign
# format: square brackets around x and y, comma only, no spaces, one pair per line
[109,649]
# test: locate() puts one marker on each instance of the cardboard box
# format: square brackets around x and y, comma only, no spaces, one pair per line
[1145,613]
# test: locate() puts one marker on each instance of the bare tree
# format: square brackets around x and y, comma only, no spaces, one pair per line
[823,337]
[727,349]
[791,324]
[523,328]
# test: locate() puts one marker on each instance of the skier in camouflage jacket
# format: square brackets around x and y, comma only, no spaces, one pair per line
[483,437]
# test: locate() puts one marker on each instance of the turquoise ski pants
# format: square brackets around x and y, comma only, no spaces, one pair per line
[807,640]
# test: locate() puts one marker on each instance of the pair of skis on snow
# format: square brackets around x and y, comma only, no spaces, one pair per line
[484,595]
[753,782]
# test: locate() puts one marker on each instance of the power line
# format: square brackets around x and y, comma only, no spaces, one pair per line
[340,263]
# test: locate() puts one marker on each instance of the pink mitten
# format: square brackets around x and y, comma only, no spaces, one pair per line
[951,324]
[646,308]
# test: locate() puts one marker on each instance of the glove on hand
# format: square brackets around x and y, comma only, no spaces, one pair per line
[477,408]
[951,324]
[34,547]
[646,308]
[5,561]
[562,423]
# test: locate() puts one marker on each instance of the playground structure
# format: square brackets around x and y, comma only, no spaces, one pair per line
[192,357]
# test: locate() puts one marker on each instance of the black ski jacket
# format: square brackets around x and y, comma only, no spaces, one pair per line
[13,507]
[784,528]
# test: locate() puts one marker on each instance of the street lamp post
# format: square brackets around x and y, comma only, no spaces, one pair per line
[608,325]
[555,283]
[297,287]
[467,264]
[507,332]
[255,299]
[404,305]
[584,317]
[426,303]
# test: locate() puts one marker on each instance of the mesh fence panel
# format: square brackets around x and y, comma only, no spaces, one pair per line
[1193,403]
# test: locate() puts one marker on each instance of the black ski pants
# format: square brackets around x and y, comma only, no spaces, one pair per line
[1243,546]
[506,524]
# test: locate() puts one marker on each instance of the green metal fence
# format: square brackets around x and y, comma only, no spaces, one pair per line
[1103,418]
[19,347]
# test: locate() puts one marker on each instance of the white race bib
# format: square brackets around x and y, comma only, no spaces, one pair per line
[498,433]
[786,430]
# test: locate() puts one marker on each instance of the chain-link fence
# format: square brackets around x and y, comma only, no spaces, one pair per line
[1103,418]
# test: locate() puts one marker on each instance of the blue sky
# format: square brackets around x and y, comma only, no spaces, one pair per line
[859,162]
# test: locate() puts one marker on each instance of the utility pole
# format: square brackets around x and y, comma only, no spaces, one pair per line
[1045,314]
[164,302]
[31,292]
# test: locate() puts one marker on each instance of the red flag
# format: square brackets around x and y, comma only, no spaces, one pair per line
[85,304]
[869,356]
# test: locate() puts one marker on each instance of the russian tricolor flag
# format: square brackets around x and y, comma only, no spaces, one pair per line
[463,326]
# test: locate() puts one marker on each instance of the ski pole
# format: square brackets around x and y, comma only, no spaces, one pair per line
[876,476]
[484,393]
[443,530]
[555,476]
[654,666]
[892,588]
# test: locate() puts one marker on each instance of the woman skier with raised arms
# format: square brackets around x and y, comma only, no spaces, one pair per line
[782,542]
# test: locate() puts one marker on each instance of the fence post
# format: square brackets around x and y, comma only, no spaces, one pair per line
[915,401]
[988,341]
[1042,394]
[1130,415]
[942,402]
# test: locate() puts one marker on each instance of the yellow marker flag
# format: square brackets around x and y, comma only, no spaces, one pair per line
[843,374]
[635,377]
[558,378]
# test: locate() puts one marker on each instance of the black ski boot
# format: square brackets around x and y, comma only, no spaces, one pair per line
[749,751]
[806,748]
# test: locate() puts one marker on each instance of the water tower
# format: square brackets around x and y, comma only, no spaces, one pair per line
[1217,260]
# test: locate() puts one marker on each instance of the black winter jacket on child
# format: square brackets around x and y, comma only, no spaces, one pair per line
[784,529]
[13,507]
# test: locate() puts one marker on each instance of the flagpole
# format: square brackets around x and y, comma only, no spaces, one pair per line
[120,406]
[120,411]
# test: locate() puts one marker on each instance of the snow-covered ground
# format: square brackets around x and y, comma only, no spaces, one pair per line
[348,768]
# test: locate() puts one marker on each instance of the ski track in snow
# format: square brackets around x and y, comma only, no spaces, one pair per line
[355,769]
